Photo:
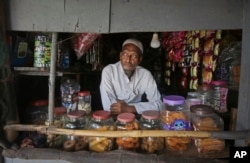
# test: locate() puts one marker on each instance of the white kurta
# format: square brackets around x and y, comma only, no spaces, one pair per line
[116,85]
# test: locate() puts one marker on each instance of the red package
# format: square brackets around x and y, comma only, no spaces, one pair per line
[82,42]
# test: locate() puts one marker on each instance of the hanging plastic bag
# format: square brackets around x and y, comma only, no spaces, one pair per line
[82,42]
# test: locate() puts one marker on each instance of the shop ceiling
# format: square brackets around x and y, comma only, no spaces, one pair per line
[115,16]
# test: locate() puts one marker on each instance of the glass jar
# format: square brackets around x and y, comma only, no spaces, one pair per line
[53,140]
[127,122]
[75,120]
[69,90]
[219,100]
[101,120]
[192,99]
[84,101]
[175,116]
[150,120]
[205,92]
[205,119]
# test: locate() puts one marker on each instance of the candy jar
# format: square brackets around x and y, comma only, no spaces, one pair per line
[150,120]
[175,116]
[127,122]
[205,119]
[102,121]
[75,120]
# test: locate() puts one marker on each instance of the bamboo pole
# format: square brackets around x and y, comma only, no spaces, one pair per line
[135,133]
[52,77]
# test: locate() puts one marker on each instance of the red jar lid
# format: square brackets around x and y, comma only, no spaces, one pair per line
[150,114]
[126,117]
[44,102]
[76,114]
[101,114]
[59,110]
[84,93]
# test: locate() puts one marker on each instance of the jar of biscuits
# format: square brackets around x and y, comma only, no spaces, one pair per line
[102,121]
[127,122]
[205,119]
[75,120]
[175,116]
[150,120]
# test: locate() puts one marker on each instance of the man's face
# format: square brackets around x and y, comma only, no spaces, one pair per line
[130,57]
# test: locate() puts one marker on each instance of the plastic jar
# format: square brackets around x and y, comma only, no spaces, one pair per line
[101,120]
[205,92]
[69,90]
[192,99]
[205,119]
[150,120]
[175,116]
[53,140]
[59,117]
[84,101]
[127,122]
[219,100]
[75,120]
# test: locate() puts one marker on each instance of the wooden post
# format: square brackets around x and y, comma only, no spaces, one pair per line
[52,78]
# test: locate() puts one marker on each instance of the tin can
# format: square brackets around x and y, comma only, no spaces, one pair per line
[42,51]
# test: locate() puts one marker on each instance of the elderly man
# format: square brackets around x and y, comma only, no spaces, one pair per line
[124,83]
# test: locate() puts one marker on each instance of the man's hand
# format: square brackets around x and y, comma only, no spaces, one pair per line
[121,107]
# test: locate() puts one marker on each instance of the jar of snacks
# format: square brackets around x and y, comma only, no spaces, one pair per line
[205,92]
[192,99]
[175,116]
[150,120]
[205,119]
[53,140]
[75,120]
[127,122]
[84,101]
[102,121]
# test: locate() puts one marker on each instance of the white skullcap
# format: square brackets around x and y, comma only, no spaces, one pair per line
[134,42]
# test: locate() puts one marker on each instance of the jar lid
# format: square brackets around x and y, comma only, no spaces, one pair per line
[218,83]
[174,100]
[201,109]
[193,94]
[205,87]
[150,114]
[126,117]
[59,110]
[76,114]
[84,93]
[101,114]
